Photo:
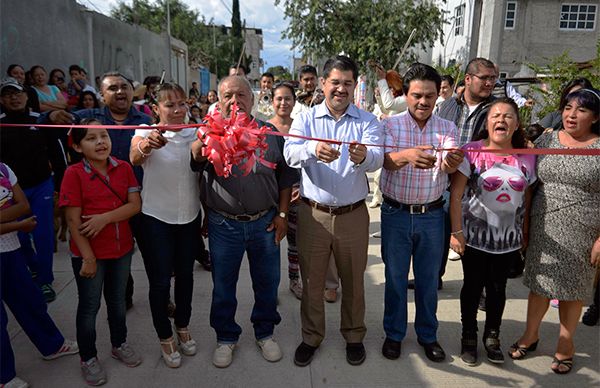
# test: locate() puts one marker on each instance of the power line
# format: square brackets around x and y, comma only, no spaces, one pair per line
[227,7]
[93,5]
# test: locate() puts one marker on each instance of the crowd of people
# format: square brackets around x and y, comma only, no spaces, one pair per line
[448,177]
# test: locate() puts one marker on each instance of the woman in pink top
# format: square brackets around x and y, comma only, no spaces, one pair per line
[489,203]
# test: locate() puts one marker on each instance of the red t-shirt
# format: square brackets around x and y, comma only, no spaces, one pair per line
[81,187]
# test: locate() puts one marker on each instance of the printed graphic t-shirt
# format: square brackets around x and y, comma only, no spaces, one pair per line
[494,201]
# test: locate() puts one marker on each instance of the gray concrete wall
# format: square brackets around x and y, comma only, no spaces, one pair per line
[538,36]
[56,34]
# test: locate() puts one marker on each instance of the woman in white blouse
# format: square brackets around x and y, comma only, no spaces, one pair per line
[171,219]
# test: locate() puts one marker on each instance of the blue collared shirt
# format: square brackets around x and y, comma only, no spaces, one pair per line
[340,182]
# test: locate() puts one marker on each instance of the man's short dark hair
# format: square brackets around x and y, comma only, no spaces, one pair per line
[475,63]
[341,62]
[307,69]
[449,79]
[151,79]
[421,72]
[75,68]
[114,74]
[269,75]
[235,66]
[194,83]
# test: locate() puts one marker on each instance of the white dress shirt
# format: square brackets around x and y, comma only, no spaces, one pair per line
[171,190]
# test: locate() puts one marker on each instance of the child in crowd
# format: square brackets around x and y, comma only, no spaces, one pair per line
[99,195]
[17,289]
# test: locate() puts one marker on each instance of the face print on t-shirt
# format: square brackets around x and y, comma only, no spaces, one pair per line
[502,190]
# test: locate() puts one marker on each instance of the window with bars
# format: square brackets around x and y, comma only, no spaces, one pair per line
[459,20]
[578,16]
[510,16]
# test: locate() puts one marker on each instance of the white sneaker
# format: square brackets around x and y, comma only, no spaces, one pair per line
[15,383]
[270,349]
[223,355]
[68,347]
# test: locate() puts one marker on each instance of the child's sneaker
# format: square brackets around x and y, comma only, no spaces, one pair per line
[93,373]
[68,347]
[554,303]
[126,355]
[15,383]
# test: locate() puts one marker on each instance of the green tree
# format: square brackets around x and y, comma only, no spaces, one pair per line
[236,31]
[281,73]
[208,45]
[558,72]
[362,29]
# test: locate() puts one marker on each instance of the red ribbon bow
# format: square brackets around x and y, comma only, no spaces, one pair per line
[233,141]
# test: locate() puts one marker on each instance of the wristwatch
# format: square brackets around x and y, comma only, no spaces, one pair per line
[283,215]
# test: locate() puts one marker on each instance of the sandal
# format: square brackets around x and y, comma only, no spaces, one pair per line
[186,342]
[521,350]
[556,363]
[173,358]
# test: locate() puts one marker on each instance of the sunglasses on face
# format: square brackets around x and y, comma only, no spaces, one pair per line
[493,183]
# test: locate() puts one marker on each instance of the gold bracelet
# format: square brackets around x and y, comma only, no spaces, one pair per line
[456,233]
[88,261]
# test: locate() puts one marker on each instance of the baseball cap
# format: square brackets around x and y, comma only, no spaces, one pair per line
[10,82]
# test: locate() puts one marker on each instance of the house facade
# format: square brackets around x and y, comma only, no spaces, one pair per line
[512,33]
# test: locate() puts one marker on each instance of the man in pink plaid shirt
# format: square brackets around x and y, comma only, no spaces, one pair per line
[414,177]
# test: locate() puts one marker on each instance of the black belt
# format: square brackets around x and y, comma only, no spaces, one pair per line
[333,210]
[415,209]
[244,217]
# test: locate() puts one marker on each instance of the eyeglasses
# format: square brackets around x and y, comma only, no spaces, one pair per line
[489,78]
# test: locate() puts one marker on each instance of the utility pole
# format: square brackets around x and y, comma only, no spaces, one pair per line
[216,57]
[169,67]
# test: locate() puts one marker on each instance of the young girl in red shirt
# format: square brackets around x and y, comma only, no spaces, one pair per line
[99,195]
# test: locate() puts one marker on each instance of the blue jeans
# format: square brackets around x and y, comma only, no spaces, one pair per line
[39,259]
[169,249]
[111,277]
[228,240]
[25,300]
[421,236]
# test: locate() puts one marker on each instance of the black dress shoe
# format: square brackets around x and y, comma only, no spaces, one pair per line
[355,353]
[434,351]
[304,354]
[591,316]
[391,349]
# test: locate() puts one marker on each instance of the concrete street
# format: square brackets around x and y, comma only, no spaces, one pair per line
[329,367]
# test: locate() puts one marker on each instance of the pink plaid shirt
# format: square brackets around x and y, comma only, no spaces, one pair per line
[410,185]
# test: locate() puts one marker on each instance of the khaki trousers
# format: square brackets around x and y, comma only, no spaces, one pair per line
[347,236]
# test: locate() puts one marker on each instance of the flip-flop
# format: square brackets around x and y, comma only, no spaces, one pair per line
[568,363]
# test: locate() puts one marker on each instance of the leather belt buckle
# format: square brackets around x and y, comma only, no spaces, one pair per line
[243,218]
[417,209]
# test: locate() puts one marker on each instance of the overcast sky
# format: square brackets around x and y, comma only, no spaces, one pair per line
[258,14]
